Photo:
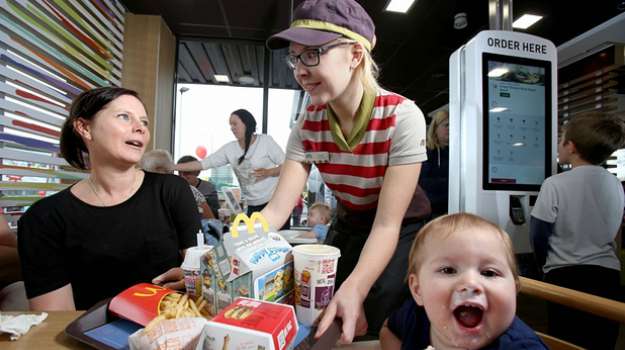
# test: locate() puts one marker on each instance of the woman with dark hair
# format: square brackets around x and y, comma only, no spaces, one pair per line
[117,227]
[255,158]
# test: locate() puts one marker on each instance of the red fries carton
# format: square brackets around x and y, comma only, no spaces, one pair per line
[251,324]
[140,303]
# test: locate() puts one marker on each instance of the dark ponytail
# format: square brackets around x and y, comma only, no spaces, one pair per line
[85,106]
[250,128]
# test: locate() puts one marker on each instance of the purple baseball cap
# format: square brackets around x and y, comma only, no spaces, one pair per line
[316,22]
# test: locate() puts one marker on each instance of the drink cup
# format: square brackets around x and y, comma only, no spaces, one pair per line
[191,268]
[315,274]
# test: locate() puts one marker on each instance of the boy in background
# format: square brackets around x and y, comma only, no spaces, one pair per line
[574,224]
[463,278]
[207,188]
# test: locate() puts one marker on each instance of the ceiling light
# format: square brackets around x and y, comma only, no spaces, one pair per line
[497,72]
[247,80]
[497,109]
[399,5]
[518,144]
[526,21]
[222,78]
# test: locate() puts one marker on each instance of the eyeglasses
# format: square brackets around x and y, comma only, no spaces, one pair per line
[310,57]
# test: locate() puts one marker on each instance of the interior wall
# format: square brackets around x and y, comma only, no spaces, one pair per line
[149,63]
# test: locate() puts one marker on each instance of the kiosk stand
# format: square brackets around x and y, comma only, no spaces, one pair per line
[502,127]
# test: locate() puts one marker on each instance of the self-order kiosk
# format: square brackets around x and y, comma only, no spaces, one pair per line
[502,127]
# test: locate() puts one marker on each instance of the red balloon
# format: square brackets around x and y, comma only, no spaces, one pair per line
[200,151]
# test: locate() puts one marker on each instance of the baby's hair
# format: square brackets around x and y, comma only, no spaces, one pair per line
[157,161]
[324,210]
[596,136]
[448,224]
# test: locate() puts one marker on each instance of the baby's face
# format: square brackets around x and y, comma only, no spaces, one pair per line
[467,288]
[315,218]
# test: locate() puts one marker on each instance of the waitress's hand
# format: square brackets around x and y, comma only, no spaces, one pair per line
[346,305]
[263,173]
[172,279]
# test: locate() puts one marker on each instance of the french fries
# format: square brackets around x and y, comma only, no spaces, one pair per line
[176,305]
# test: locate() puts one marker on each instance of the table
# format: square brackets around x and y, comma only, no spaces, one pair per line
[50,335]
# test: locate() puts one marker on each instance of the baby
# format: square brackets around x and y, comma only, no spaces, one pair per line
[319,215]
[463,278]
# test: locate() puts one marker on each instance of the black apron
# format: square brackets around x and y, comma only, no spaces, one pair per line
[349,232]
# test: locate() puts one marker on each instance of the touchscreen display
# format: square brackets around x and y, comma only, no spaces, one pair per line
[517,122]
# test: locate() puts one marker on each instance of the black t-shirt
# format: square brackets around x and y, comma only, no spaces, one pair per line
[101,251]
[411,325]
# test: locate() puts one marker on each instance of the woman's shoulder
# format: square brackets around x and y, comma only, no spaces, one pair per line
[48,205]
[266,139]
[400,105]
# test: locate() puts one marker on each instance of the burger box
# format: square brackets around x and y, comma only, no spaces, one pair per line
[251,324]
[250,261]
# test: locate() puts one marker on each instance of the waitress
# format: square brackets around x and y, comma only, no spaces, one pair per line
[368,144]
[255,159]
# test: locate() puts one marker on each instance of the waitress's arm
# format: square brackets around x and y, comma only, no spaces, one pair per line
[190,166]
[398,188]
[291,184]
[61,299]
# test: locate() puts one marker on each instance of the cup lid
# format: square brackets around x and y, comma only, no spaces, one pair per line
[317,250]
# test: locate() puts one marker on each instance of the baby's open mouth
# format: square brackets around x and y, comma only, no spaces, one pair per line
[468,316]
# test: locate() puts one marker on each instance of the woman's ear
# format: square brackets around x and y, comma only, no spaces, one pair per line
[358,53]
[82,127]
[413,284]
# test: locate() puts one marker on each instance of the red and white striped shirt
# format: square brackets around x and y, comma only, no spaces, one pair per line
[394,135]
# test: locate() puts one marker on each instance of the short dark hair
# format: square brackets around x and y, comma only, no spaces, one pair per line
[85,106]
[596,135]
[188,159]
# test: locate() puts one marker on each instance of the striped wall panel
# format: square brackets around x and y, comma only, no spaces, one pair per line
[50,51]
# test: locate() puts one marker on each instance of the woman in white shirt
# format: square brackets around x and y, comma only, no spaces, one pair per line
[255,158]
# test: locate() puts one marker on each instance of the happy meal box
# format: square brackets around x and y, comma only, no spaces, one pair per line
[250,324]
[250,261]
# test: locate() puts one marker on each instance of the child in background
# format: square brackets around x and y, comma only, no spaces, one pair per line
[319,215]
[463,278]
[574,224]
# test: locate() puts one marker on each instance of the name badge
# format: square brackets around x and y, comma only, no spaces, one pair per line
[317,157]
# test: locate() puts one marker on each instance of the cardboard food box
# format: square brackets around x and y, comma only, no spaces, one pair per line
[249,262]
[140,303]
[250,324]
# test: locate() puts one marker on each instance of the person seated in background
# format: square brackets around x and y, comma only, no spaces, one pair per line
[118,226]
[574,224]
[207,188]
[9,259]
[464,281]
[434,177]
[160,161]
[319,215]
